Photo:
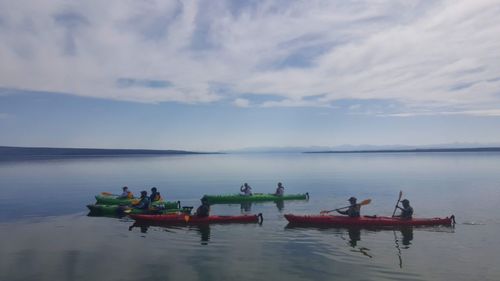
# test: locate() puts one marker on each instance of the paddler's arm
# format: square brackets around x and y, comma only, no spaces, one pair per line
[342,212]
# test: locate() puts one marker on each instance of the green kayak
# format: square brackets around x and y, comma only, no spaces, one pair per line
[105,199]
[104,210]
[256,197]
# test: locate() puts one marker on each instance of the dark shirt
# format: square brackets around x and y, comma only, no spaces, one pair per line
[143,204]
[406,213]
[154,197]
[203,211]
[280,191]
[353,211]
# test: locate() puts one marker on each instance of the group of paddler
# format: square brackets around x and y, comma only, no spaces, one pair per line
[353,210]
[149,204]
[145,201]
[154,209]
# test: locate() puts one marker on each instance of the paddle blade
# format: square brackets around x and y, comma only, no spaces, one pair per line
[186,218]
[400,194]
[365,202]
[127,211]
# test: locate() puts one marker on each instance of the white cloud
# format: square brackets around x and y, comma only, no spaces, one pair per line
[241,102]
[417,53]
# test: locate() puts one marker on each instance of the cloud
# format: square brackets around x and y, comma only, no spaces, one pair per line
[241,102]
[424,54]
[142,83]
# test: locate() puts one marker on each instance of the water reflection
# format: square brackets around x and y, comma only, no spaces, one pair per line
[280,205]
[407,237]
[202,229]
[403,237]
[407,233]
[246,207]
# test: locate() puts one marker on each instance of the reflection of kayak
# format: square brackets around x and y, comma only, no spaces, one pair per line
[366,221]
[106,199]
[186,219]
[121,210]
[256,197]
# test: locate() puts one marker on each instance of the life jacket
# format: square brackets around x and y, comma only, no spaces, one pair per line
[130,195]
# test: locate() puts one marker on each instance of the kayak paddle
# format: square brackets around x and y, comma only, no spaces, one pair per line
[399,199]
[364,202]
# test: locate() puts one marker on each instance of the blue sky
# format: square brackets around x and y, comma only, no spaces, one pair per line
[210,75]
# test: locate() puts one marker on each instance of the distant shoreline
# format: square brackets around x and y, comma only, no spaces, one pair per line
[11,152]
[418,150]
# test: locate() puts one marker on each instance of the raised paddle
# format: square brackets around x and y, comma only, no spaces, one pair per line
[364,202]
[399,199]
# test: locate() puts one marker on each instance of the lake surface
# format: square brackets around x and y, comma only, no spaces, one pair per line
[45,233]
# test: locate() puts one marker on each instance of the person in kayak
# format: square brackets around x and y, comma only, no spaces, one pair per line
[353,210]
[204,210]
[155,195]
[144,201]
[280,190]
[126,194]
[406,210]
[246,189]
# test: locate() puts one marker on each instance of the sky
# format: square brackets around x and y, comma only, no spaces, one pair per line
[215,75]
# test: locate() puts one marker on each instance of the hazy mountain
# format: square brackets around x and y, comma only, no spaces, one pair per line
[365,147]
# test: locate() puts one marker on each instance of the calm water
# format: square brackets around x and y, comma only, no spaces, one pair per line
[45,233]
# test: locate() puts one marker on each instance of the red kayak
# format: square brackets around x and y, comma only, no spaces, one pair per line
[187,219]
[366,221]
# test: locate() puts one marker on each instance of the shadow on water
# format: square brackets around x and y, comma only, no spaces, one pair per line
[202,229]
[106,215]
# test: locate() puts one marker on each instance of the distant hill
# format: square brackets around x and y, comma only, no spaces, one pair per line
[9,152]
[371,148]
[467,149]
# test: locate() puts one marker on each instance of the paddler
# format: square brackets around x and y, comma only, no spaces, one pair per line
[353,210]
[246,189]
[280,190]
[406,210]
[155,195]
[126,194]
[204,210]
[144,201]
